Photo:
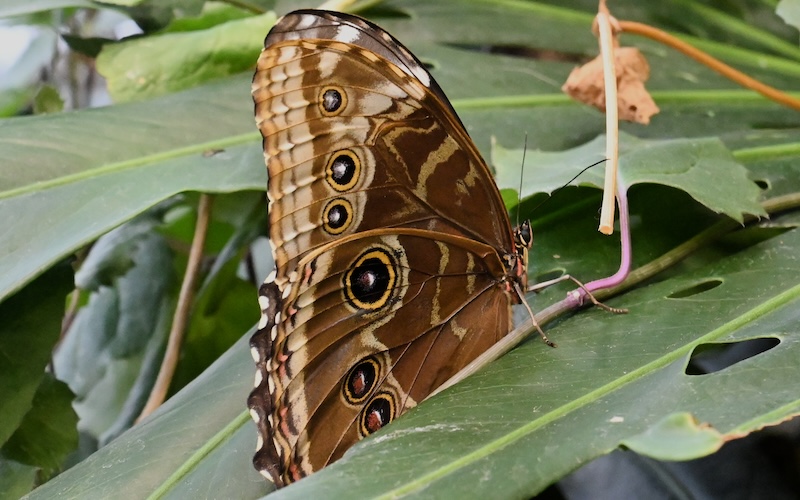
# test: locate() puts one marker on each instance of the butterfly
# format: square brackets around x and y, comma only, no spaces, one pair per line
[396,262]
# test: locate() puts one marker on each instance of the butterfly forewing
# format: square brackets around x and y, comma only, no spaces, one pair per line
[390,132]
[394,253]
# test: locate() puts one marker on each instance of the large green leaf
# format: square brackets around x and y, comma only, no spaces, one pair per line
[535,414]
[531,416]
[107,165]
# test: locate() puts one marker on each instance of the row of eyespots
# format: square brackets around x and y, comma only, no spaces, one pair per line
[368,284]
[343,169]
[358,386]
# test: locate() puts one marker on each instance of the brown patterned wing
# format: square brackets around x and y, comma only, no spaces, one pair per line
[393,249]
[358,136]
[371,324]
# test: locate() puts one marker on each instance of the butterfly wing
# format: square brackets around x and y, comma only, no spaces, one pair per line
[382,318]
[384,131]
[390,237]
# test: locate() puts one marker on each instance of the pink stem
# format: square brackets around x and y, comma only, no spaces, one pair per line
[626,252]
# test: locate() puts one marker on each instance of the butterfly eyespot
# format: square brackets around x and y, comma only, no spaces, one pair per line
[337,216]
[369,282]
[361,380]
[332,101]
[379,412]
[343,170]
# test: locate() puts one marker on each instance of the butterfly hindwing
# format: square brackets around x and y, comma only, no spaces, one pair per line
[333,320]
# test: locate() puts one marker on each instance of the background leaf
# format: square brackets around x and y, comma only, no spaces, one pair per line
[47,433]
[26,339]
[113,349]
[691,165]
[141,67]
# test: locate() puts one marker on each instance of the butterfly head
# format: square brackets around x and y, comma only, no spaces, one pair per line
[523,236]
[517,263]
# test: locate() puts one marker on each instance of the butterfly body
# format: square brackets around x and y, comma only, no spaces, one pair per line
[396,264]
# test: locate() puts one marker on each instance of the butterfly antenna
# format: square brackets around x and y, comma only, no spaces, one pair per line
[521,173]
[568,182]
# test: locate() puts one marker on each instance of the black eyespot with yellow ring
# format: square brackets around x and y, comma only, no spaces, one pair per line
[332,100]
[337,216]
[368,284]
[378,412]
[361,381]
[343,170]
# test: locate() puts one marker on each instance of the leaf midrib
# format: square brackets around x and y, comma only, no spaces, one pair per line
[131,163]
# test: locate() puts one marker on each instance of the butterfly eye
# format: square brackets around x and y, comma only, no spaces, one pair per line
[343,170]
[370,282]
[361,380]
[379,412]
[337,216]
[332,101]
[524,235]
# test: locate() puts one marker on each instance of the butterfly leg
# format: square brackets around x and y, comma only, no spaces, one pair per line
[546,284]
[533,318]
[575,294]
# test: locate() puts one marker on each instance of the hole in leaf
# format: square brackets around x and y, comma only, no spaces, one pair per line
[695,289]
[762,184]
[710,358]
